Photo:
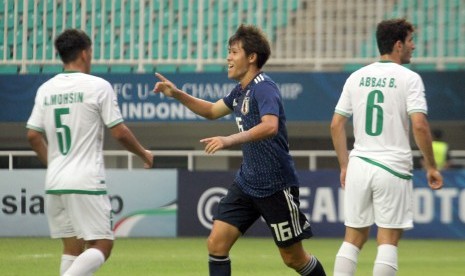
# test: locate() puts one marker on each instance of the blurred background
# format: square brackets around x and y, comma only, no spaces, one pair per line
[316,44]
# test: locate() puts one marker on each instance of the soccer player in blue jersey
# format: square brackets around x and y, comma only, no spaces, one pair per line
[266,185]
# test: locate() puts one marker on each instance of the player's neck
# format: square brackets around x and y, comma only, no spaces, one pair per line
[74,67]
[249,77]
[391,58]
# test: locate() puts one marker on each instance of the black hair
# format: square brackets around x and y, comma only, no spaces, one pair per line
[70,43]
[390,31]
[253,41]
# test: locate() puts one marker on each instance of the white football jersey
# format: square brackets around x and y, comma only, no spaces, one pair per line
[72,110]
[381,96]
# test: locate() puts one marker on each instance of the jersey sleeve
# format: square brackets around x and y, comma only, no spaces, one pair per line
[110,111]
[267,97]
[416,100]
[344,105]
[36,121]
[230,98]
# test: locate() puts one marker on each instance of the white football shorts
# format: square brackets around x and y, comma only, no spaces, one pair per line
[79,215]
[374,195]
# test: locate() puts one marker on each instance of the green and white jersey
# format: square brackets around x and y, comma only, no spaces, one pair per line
[72,109]
[381,96]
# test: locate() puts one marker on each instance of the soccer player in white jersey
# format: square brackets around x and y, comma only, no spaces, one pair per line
[376,175]
[66,131]
[266,185]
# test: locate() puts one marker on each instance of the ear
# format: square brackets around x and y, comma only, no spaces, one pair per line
[252,58]
[398,45]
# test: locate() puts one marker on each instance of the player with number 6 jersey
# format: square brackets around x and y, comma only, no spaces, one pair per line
[380,96]
[383,98]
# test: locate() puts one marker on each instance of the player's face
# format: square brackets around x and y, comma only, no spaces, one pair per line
[407,49]
[238,62]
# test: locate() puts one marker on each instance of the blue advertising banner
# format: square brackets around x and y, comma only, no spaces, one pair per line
[306,96]
[437,214]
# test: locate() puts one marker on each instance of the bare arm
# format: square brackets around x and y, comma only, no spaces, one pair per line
[268,127]
[339,137]
[39,145]
[127,139]
[200,107]
[422,136]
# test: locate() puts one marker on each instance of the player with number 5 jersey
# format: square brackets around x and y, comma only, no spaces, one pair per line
[73,108]
[66,129]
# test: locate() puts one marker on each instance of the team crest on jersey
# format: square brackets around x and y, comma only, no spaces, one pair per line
[245,104]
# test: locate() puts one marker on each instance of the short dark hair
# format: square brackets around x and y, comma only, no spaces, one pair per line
[253,41]
[70,43]
[390,31]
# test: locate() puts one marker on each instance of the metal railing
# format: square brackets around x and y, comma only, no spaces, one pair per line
[312,35]
[189,154]
[312,155]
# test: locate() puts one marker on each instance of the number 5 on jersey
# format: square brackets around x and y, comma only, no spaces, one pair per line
[62,130]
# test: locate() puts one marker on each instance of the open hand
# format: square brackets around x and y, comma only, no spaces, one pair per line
[213,144]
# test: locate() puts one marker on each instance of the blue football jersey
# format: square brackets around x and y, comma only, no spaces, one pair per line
[267,166]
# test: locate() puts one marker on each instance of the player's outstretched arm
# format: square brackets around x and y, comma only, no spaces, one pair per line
[268,127]
[200,107]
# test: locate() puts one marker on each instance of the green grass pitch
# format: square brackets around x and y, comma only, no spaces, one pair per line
[250,256]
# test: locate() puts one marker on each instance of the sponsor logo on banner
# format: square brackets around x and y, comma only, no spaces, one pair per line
[143,203]
[207,203]
[437,214]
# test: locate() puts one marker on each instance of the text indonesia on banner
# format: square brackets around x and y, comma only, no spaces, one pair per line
[306,96]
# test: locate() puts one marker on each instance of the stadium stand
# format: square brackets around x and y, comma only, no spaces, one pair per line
[191,35]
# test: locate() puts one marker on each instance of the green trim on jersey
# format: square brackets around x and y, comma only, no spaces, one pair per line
[418,111]
[345,114]
[35,128]
[81,192]
[71,71]
[403,176]
[112,124]
[386,61]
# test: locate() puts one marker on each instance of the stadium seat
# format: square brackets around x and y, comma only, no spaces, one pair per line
[455,67]
[173,19]
[421,66]
[119,68]
[166,68]
[9,69]
[352,67]
[214,68]
[34,69]
[187,68]
[149,69]
[99,68]
[52,69]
